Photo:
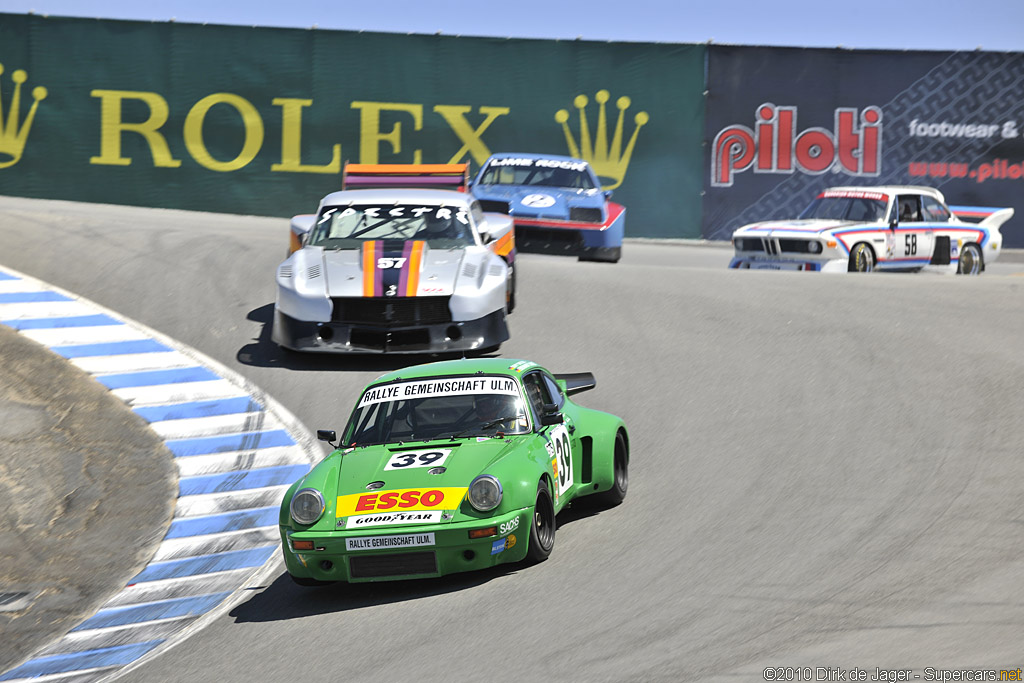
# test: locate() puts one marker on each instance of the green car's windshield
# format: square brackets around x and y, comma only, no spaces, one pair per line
[348,227]
[538,173]
[451,407]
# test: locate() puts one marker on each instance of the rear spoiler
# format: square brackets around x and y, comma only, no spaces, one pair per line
[385,176]
[575,382]
[985,216]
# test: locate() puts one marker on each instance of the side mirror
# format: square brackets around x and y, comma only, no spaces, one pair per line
[551,416]
[607,194]
[893,223]
[327,435]
[485,237]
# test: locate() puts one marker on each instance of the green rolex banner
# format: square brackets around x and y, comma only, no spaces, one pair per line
[261,120]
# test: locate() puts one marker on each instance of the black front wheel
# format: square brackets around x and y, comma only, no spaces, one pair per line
[542,535]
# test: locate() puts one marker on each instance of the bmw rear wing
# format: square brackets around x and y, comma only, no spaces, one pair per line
[423,176]
[986,216]
[575,382]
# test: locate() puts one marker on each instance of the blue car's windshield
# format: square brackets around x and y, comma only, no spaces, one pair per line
[538,173]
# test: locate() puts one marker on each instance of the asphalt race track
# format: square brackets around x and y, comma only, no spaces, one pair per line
[826,471]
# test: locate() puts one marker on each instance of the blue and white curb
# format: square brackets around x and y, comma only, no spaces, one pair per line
[236,450]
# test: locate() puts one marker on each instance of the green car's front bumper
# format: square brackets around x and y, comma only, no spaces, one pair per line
[407,552]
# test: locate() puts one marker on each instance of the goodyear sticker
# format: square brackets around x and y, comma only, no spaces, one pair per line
[391,518]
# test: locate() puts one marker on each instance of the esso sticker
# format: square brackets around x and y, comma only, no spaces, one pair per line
[398,500]
[408,459]
[538,201]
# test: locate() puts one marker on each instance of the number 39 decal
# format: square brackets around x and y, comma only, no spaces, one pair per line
[559,441]
[400,461]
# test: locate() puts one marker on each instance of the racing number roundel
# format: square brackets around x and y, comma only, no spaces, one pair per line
[562,454]
[538,201]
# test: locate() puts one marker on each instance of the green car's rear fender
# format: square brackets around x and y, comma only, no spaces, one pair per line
[602,429]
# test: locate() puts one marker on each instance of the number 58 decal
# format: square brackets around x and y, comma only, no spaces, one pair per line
[400,461]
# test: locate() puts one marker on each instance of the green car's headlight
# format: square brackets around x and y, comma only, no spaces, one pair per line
[484,493]
[307,505]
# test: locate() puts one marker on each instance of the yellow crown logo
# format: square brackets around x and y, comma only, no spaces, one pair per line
[607,161]
[12,138]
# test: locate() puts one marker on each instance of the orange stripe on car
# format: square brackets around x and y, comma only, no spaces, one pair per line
[413,273]
[369,267]
[505,243]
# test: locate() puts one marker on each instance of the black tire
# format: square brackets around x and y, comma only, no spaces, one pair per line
[602,255]
[542,532]
[862,258]
[972,262]
[309,583]
[511,305]
[620,475]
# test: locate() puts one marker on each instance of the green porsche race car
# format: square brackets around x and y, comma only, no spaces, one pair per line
[448,467]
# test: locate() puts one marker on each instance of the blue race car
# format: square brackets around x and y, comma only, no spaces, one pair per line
[556,203]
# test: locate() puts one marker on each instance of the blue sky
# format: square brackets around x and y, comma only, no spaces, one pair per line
[894,24]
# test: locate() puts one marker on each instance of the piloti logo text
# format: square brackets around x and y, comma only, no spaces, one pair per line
[775,146]
[400,499]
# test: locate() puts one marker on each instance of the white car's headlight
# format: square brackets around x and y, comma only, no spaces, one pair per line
[484,493]
[814,247]
[307,505]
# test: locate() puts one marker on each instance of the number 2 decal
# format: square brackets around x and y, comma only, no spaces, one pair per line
[427,458]
[563,455]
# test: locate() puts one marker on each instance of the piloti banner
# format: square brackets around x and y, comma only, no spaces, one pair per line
[261,121]
[785,123]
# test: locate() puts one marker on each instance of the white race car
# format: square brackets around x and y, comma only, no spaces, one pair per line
[393,268]
[859,229]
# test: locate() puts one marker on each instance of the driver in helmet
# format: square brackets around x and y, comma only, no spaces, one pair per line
[435,228]
[491,407]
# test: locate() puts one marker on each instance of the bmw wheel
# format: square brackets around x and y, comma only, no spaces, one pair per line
[971,260]
[542,535]
[862,259]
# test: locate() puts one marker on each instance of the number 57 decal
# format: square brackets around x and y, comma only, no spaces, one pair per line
[384,262]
